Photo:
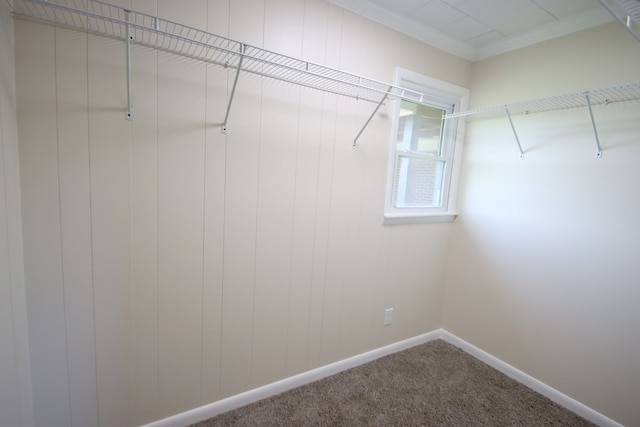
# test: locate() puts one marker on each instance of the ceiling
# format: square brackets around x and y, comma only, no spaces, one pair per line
[478,29]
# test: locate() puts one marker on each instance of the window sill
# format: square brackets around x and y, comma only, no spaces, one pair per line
[390,219]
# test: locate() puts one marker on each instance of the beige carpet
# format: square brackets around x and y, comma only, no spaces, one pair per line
[434,384]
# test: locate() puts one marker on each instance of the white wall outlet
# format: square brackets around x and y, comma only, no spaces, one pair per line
[388,316]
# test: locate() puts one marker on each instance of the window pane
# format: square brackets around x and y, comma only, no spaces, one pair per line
[423,150]
[420,128]
[418,183]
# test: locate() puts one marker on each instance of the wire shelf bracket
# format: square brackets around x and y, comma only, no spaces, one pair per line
[97,17]
[515,134]
[593,125]
[589,98]
[128,40]
[233,89]
[384,98]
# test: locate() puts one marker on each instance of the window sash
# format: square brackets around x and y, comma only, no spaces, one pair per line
[400,204]
[419,182]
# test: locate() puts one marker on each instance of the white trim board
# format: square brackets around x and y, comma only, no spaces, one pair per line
[534,384]
[210,410]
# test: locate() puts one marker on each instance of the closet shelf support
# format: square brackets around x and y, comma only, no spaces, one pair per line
[233,88]
[104,19]
[515,134]
[384,98]
[593,125]
[128,40]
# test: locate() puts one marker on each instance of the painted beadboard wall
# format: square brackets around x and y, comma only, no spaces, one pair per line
[543,260]
[15,384]
[168,265]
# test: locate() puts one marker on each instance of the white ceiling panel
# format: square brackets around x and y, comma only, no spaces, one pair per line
[465,28]
[483,8]
[438,14]
[401,6]
[475,29]
[485,38]
[564,9]
[518,20]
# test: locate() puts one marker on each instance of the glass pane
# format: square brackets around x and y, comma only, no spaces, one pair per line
[418,183]
[419,128]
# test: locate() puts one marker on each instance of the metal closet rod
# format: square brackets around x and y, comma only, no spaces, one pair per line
[587,98]
[105,19]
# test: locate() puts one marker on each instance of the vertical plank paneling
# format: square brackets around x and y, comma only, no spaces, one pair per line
[356,322]
[75,211]
[17,398]
[367,269]
[110,163]
[9,374]
[15,407]
[425,253]
[316,43]
[368,265]
[307,165]
[392,273]
[181,140]
[181,101]
[144,187]
[375,147]
[303,238]
[337,237]
[317,321]
[37,127]
[180,217]
[275,199]
[9,397]
[176,265]
[243,150]
[214,220]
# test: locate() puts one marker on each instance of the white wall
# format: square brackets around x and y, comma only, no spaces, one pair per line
[15,389]
[169,265]
[543,265]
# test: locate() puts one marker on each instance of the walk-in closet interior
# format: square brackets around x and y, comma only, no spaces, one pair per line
[199,201]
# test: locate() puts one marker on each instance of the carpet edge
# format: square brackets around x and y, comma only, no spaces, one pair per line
[236,401]
[538,386]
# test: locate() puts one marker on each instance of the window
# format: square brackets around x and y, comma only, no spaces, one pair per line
[425,151]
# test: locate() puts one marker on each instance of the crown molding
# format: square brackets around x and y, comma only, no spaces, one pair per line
[437,39]
[406,26]
[588,19]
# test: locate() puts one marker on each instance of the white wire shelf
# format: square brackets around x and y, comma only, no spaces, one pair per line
[107,20]
[104,19]
[625,11]
[147,30]
[603,96]
[588,98]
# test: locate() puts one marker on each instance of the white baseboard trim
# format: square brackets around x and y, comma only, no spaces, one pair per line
[242,399]
[526,379]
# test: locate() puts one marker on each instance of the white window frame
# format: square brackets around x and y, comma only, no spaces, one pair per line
[437,93]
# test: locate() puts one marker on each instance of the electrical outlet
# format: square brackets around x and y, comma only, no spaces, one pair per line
[388,316]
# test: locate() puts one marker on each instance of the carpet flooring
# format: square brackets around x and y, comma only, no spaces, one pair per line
[433,384]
